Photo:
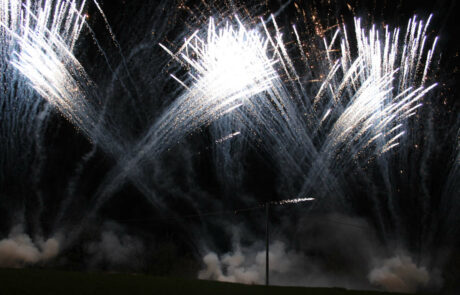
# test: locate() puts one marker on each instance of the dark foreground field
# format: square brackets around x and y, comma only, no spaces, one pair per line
[49,282]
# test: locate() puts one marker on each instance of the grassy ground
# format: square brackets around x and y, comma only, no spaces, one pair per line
[49,282]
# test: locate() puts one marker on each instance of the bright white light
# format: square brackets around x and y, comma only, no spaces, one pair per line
[228,63]
[292,201]
[46,34]
[225,138]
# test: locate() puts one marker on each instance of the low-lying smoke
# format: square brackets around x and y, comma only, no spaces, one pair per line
[399,274]
[332,251]
[115,249]
[112,248]
[19,249]
[248,267]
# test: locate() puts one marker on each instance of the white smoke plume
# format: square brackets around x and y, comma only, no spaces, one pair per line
[19,249]
[399,274]
[245,266]
[114,248]
[332,251]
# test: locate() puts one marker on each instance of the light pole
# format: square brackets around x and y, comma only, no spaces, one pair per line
[267,245]
[267,234]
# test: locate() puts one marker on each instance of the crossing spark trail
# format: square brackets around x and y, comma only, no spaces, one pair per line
[44,37]
[360,105]
[229,65]
[364,100]
[368,93]
[249,85]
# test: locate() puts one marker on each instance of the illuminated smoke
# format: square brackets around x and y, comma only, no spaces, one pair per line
[20,250]
[333,250]
[399,274]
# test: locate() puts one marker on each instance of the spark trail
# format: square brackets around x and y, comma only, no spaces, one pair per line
[362,103]
[384,89]
[361,106]
[229,65]
[44,38]
[23,119]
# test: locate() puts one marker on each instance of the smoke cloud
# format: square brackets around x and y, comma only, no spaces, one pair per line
[331,251]
[115,249]
[248,266]
[19,249]
[399,274]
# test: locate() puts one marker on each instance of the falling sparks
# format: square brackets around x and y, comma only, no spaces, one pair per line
[292,201]
[228,63]
[367,93]
[387,95]
[228,137]
[46,37]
